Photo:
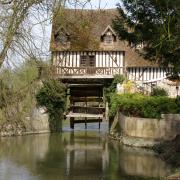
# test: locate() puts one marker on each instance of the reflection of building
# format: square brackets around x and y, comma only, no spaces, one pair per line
[86,155]
[78,156]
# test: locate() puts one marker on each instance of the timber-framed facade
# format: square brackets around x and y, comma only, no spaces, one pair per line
[84,45]
[86,54]
[97,64]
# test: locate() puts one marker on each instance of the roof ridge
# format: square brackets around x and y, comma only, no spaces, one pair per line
[81,9]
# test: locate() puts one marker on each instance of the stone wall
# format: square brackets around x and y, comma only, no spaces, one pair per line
[146,132]
[38,122]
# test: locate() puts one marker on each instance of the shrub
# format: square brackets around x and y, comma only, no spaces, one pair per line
[159,92]
[17,92]
[139,105]
[112,88]
[128,86]
[117,79]
[178,100]
[52,95]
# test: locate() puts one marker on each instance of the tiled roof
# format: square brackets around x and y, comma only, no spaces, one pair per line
[85,28]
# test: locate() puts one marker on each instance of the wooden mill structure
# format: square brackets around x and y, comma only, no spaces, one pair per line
[87,53]
[86,104]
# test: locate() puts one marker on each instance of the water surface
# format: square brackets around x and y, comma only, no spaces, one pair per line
[79,155]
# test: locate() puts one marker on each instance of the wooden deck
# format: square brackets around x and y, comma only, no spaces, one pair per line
[83,99]
[83,115]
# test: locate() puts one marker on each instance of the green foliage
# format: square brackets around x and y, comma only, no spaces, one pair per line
[112,88]
[17,89]
[142,106]
[159,92]
[5,94]
[117,79]
[52,95]
[156,24]
[128,86]
[178,100]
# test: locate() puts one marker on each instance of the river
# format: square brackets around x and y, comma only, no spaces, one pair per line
[78,155]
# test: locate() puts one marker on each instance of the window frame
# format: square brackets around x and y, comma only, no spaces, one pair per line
[87,60]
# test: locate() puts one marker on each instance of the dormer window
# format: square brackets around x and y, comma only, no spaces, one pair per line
[61,36]
[108,36]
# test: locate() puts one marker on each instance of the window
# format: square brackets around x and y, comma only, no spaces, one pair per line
[87,60]
[83,60]
[108,39]
[61,37]
[92,61]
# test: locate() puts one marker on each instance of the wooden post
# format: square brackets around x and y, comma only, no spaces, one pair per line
[99,118]
[72,123]
[115,122]
[99,124]
[86,113]
[85,123]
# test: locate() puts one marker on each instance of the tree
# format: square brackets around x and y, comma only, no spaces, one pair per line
[13,14]
[17,20]
[17,92]
[156,24]
[52,96]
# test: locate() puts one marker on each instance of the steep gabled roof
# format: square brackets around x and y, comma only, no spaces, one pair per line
[61,28]
[87,25]
[85,29]
[107,29]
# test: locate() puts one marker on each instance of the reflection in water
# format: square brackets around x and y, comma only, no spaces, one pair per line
[75,156]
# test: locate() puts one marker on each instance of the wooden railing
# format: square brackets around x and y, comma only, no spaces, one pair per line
[78,71]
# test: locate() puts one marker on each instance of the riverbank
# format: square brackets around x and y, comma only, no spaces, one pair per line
[37,123]
[18,129]
[175,176]
[168,151]
[133,141]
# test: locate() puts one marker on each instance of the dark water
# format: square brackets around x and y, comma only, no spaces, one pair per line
[76,156]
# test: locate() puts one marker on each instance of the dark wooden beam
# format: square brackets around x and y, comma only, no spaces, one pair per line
[87,121]
[88,110]
[88,99]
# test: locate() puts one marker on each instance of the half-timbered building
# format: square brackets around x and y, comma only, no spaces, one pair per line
[84,45]
[86,52]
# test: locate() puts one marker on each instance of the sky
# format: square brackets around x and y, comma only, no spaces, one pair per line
[42,39]
[104,4]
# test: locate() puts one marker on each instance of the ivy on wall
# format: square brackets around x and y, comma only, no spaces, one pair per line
[52,96]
